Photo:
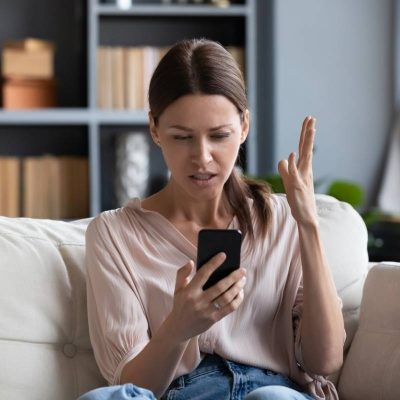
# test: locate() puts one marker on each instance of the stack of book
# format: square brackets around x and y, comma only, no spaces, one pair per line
[27,70]
[124,73]
[44,187]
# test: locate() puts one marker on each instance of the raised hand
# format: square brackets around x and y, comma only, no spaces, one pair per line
[298,177]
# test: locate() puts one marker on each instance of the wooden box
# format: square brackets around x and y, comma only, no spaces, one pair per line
[29,58]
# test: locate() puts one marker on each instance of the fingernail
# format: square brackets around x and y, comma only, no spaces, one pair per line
[243,280]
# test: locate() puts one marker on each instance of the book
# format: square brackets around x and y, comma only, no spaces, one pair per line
[134,78]
[30,173]
[118,77]
[55,187]
[108,78]
[10,170]
[101,77]
[150,60]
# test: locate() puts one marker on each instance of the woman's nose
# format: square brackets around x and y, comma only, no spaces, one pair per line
[202,154]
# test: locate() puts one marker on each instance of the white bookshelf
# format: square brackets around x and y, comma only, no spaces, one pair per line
[243,18]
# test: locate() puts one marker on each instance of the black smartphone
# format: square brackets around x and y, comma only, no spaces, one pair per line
[213,241]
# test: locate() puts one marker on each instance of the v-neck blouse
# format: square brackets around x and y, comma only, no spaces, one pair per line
[167,226]
[132,257]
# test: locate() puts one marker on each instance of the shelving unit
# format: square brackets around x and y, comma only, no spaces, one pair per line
[153,25]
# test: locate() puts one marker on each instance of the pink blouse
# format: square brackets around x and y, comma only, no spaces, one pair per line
[132,256]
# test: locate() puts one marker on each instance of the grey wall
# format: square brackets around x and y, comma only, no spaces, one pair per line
[334,60]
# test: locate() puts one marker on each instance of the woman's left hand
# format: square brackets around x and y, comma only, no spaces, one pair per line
[298,179]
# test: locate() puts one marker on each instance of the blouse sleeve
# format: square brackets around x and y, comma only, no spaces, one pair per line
[118,326]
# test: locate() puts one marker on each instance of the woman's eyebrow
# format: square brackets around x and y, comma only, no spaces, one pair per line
[184,128]
[220,127]
[180,127]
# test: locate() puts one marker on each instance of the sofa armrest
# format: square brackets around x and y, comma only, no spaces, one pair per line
[371,367]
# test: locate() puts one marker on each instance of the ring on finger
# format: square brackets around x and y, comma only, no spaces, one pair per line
[216,305]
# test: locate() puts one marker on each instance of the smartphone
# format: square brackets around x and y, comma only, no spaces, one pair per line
[213,241]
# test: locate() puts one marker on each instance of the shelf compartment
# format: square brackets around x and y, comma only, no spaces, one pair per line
[153,166]
[62,22]
[150,31]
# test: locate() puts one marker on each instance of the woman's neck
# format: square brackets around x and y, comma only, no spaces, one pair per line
[181,209]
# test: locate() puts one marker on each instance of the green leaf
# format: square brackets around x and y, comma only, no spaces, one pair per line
[349,192]
[275,181]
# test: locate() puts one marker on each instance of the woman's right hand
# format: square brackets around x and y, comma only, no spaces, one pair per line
[194,309]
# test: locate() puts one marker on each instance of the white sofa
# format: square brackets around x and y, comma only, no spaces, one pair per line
[45,351]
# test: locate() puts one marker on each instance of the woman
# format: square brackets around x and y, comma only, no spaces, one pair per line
[273,329]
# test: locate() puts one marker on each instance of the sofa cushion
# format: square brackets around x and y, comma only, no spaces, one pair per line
[345,239]
[372,365]
[44,343]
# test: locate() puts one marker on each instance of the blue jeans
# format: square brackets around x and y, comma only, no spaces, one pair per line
[214,378]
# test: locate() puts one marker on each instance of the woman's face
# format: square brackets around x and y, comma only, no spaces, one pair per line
[200,136]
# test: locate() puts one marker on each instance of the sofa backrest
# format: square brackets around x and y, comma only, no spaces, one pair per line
[345,239]
[45,350]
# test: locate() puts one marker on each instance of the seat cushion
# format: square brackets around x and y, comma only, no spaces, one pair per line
[44,342]
[371,369]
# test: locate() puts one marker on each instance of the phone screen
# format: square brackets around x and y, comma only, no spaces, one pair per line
[213,241]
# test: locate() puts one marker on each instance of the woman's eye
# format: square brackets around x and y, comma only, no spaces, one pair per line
[181,137]
[220,136]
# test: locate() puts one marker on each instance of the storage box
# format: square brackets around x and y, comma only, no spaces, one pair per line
[29,58]
[29,93]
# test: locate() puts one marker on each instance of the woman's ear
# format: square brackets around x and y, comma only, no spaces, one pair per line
[245,126]
[153,129]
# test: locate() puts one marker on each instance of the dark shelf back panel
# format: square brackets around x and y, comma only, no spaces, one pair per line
[25,141]
[165,31]
[62,22]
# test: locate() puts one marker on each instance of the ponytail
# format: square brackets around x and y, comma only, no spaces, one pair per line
[238,189]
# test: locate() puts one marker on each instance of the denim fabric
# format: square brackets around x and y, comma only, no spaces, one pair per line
[276,393]
[214,379]
[118,392]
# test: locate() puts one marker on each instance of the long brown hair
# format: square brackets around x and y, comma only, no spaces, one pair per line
[200,66]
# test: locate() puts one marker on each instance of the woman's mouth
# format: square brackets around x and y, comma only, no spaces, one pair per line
[202,179]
